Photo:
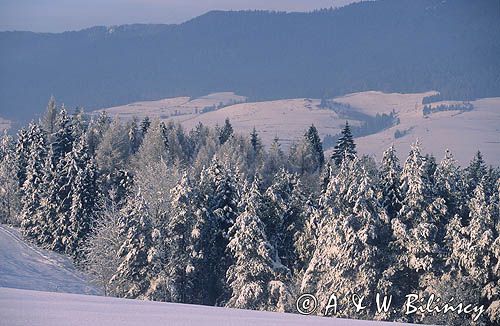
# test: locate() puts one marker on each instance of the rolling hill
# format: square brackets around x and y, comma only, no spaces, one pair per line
[462,132]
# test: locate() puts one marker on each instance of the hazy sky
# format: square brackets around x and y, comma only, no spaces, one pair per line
[62,15]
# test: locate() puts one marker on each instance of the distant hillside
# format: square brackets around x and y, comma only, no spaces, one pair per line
[464,132]
[388,45]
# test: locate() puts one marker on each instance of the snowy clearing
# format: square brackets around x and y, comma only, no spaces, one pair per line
[24,266]
[23,307]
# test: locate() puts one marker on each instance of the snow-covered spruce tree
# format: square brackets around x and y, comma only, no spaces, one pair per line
[61,195]
[32,187]
[175,282]
[346,259]
[255,141]
[345,147]
[410,253]
[306,157]
[219,198]
[112,158]
[137,252]
[22,152]
[71,199]
[417,225]
[389,175]
[256,153]
[478,260]
[225,132]
[305,243]
[473,255]
[63,138]
[256,280]
[449,185]
[316,147]
[198,137]
[85,199]
[9,192]
[474,173]
[284,217]
[47,212]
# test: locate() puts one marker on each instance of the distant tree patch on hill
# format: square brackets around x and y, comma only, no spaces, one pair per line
[370,124]
[463,107]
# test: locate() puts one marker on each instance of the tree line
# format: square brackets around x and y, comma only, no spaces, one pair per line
[213,217]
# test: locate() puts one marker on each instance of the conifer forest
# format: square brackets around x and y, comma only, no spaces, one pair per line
[210,216]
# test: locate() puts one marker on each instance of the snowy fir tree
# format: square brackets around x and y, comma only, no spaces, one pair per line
[474,173]
[179,265]
[316,147]
[32,187]
[84,207]
[390,172]
[219,196]
[346,259]
[345,147]
[448,184]
[225,132]
[22,153]
[9,195]
[284,202]
[138,254]
[256,280]
[63,138]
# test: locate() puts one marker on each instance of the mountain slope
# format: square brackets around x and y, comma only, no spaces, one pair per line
[389,45]
[24,266]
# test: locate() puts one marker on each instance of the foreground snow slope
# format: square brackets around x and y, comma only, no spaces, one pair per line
[24,266]
[23,307]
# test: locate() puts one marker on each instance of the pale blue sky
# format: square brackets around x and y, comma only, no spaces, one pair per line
[62,15]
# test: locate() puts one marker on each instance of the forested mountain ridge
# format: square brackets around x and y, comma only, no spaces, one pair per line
[387,45]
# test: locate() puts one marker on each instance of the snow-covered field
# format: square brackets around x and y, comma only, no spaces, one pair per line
[463,133]
[288,119]
[24,268]
[173,108]
[22,307]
